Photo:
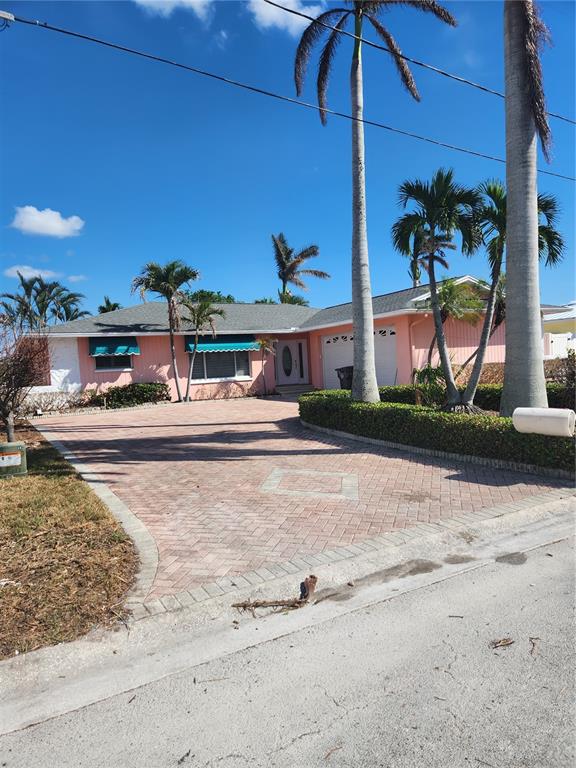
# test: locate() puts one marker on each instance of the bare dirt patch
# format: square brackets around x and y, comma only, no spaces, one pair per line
[65,562]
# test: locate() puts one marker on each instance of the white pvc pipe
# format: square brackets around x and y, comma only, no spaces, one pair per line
[559,422]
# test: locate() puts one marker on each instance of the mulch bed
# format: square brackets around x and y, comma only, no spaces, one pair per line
[65,562]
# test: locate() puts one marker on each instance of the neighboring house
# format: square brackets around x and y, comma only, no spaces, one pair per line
[559,330]
[131,345]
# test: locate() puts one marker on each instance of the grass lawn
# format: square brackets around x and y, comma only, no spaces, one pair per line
[65,563]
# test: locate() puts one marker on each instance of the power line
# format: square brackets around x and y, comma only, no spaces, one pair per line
[264,92]
[422,64]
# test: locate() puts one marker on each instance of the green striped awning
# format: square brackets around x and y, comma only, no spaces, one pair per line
[117,345]
[232,343]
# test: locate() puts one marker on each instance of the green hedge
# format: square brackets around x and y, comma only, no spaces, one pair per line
[483,435]
[487,396]
[131,394]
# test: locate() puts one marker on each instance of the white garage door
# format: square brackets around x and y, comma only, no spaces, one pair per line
[338,351]
[385,355]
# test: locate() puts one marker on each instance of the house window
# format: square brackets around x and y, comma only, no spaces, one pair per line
[221,365]
[113,362]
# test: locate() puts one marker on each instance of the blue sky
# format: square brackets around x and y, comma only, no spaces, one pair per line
[139,161]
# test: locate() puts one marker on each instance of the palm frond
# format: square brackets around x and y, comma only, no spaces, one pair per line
[310,37]
[535,35]
[325,66]
[550,245]
[315,273]
[405,229]
[428,6]
[403,69]
[548,207]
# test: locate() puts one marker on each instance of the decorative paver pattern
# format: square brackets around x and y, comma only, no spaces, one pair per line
[229,487]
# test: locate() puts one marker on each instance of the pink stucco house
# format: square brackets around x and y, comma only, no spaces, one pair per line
[131,345]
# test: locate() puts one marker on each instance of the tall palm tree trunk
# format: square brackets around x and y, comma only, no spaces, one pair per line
[173,353]
[431,349]
[453,395]
[524,382]
[191,368]
[474,380]
[364,384]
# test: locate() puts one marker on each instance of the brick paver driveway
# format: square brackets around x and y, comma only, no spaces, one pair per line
[229,486]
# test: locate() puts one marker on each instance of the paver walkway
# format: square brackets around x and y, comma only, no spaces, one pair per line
[226,487]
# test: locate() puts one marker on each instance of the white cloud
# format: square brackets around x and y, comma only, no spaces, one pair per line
[30,221]
[76,278]
[28,272]
[222,39]
[166,8]
[268,17]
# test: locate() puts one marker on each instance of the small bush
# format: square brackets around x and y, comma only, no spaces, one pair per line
[131,394]
[482,435]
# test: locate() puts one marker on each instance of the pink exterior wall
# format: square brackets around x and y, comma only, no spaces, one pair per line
[154,364]
[462,341]
[413,336]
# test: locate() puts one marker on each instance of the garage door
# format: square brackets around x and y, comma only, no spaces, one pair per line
[338,351]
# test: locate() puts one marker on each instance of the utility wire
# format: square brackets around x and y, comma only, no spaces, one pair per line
[271,94]
[380,47]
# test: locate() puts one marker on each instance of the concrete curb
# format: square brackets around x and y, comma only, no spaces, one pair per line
[529,469]
[133,526]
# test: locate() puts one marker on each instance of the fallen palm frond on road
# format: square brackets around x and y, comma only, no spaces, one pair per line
[65,562]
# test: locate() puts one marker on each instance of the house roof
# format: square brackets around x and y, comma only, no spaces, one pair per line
[152,317]
[387,303]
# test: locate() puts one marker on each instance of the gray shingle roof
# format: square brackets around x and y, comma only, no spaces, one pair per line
[388,302]
[152,317]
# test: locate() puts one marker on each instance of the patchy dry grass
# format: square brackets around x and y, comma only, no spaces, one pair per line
[65,563]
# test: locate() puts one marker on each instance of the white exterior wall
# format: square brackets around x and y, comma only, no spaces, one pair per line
[64,367]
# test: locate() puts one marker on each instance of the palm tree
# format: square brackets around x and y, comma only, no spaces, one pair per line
[108,306]
[266,347]
[458,301]
[443,209]
[202,316]
[289,265]
[492,220]
[525,106]
[292,298]
[216,297]
[167,281]
[64,304]
[38,301]
[21,306]
[364,386]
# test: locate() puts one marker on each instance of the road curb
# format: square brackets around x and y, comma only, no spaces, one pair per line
[143,540]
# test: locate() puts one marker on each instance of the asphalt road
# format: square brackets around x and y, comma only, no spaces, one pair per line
[409,681]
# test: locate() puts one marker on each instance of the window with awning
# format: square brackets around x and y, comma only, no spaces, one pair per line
[224,357]
[231,343]
[114,346]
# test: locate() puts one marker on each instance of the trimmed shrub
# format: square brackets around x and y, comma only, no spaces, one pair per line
[482,435]
[487,396]
[131,394]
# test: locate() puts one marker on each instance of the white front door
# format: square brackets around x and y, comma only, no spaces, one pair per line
[292,362]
